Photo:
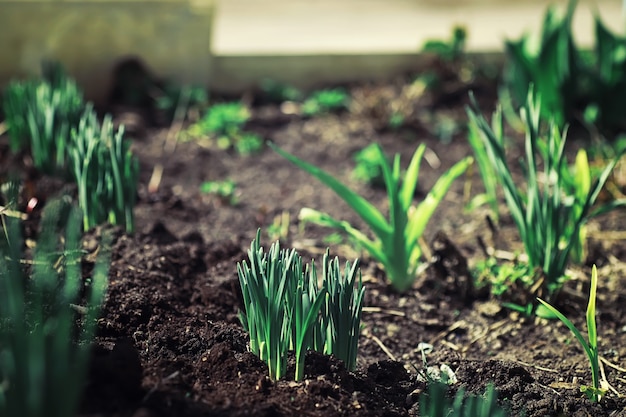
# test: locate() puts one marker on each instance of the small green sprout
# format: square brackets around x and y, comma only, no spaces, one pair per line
[224,190]
[396,245]
[225,123]
[326,101]
[367,168]
[596,391]
[39,116]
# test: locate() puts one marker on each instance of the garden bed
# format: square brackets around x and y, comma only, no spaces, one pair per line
[169,339]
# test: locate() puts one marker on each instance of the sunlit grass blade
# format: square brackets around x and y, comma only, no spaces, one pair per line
[595,392]
[374,219]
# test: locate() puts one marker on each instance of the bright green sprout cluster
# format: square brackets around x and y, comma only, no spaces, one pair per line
[596,391]
[436,403]
[285,309]
[573,83]
[367,168]
[39,115]
[47,316]
[396,245]
[225,122]
[224,190]
[105,170]
[551,210]
[325,101]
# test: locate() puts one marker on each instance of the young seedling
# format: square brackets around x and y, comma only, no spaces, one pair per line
[325,101]
[596,391]
[225,123]
[396,244]
[225,190]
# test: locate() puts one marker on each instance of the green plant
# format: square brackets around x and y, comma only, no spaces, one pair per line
[105,170]
[225,123]
[573,84]
[279,228]
[48,316]
[486,169]
[340,322]
[396,244]
[225,119]
[225,190]
[326,101]
[590,347]
[548,214]
[501,277]
[285,309]
[39,117]
[367,168]
[450,50]
[281,303]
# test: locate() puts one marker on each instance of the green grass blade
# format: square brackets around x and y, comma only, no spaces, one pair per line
[374,219]
[426,208]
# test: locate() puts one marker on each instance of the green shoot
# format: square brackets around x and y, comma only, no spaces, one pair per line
[450,50]
[396,244]
[105,170]
[224,123]
[596,391]
[44,341]
[325,101]
[548,213]
[284,308]
[281,303]
[341,313]
[367,168]
[486,169]
[226,190]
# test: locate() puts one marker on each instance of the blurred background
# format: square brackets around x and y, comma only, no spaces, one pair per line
[229,45]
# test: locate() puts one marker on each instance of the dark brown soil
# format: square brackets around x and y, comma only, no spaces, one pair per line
[170,343]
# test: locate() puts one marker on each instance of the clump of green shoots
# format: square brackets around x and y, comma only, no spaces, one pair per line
[596,391]
[549,210]
[105,170]
[396,245]
[48,315]
[285,309]
[39,116]
[325,101]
